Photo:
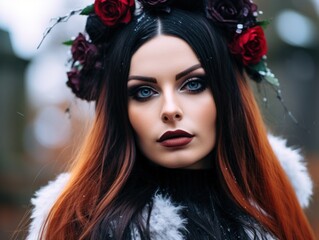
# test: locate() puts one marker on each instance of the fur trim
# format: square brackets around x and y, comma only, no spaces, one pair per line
[43,201]
[295,167]
[165,221]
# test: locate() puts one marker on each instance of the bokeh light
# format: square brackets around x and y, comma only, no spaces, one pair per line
[296,29]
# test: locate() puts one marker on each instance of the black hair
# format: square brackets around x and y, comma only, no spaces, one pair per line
[211,49]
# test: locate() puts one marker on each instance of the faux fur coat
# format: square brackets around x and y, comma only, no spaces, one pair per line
[166,223]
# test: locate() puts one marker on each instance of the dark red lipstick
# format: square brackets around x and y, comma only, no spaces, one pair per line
[176,138]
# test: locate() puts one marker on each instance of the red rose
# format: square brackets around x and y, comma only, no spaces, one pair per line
[250,45]
[112,12]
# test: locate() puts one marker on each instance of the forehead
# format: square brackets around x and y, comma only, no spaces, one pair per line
[163,53]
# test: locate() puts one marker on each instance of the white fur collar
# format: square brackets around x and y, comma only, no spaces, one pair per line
[165,221]
[295,167]
[43,201]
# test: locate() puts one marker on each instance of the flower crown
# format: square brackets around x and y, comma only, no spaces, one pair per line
[236,18]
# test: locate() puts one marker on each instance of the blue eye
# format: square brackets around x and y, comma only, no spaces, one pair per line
[144,92]
[194,85]
[141,93]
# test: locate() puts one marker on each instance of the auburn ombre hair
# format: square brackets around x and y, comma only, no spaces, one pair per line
[248,171]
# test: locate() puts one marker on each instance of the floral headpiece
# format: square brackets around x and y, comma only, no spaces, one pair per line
[236,18]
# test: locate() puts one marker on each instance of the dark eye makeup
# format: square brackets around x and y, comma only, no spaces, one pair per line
[194,85]
[143,92]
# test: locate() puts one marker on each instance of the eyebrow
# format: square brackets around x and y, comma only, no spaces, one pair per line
[178,76]
[187,71]
[142,78]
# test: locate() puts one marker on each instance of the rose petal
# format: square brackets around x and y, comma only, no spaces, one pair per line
[250,46]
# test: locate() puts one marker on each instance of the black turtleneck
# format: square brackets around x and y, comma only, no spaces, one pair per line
[210,214]
[182,184]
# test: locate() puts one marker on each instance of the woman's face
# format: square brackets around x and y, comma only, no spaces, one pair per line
[170,107]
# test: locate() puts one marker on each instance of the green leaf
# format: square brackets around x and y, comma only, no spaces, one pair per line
[260,66]
[68,43]
[87,10]
[265,73]
[264,24]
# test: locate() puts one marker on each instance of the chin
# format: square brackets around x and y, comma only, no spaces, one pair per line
[181,164]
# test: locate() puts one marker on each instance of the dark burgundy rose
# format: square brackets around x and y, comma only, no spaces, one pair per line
[113,12]
[231,12]
[91,55]
[83,76]
[79,47]
[251,46]
[84,83]
[154,3]
[84,52]
[74,80]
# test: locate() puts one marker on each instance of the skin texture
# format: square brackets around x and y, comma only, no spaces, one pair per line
[163,98]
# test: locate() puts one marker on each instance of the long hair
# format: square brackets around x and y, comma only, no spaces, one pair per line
[248,171]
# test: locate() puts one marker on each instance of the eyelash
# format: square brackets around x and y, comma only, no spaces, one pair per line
[135,91]
[197,80]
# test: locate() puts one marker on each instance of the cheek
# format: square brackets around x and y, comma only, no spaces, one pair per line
[208,121]
[209,114]
[204,112]
[206,118]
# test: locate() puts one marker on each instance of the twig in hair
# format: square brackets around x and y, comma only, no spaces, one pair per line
[57,21]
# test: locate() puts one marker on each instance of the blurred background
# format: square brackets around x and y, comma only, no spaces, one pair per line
[41,123]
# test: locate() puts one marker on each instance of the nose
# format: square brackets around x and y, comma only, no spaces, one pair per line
[171,110]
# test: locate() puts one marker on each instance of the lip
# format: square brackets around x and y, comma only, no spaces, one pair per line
[176,138]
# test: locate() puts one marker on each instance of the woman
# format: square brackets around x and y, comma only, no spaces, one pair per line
[178,148]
